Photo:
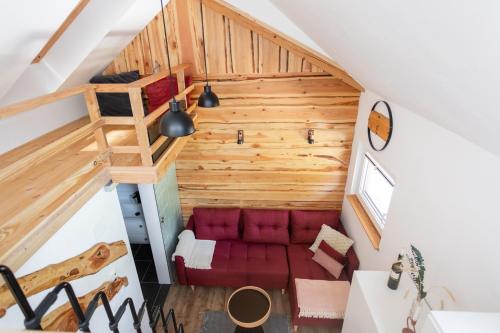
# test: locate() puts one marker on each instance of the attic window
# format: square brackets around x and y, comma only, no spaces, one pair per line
[375,190]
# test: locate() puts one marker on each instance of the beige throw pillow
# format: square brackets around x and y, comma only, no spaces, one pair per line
[332,237]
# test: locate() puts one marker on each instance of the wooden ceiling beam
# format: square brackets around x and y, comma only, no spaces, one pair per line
[181,12]
[282,40]
[62,28]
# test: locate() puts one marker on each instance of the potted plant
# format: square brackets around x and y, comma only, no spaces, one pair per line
[416,269]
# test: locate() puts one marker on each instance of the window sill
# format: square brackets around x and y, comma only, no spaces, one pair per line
[365,220]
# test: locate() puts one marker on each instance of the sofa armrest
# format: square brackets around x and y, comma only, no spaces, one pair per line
[181,270]
[352,259]
[190,224]
[352,263]
[180,266]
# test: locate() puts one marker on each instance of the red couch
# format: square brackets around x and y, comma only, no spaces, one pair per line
[265,248]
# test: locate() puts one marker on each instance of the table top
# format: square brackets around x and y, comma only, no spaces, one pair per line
[249,306]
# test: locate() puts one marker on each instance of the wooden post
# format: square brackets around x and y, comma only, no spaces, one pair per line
[181,14]
[181,83]
[95,116]
[140,126]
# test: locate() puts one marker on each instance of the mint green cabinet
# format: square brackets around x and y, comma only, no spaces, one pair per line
[169,213]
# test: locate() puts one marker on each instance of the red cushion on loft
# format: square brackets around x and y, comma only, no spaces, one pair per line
[161,91]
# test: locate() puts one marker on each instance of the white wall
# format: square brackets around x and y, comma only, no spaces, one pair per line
[445,202]
[26,126]
[99,220]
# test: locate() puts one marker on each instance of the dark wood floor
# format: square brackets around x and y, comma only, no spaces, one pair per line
[190,306]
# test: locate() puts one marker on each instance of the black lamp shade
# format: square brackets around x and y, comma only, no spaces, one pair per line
[176,122]
[207,98]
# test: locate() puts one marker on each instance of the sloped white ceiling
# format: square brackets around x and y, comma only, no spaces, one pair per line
[440,59]
[26,27]
[265,11]
[87,46]
[93,39]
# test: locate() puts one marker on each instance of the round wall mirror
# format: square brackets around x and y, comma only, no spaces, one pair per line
[380,123]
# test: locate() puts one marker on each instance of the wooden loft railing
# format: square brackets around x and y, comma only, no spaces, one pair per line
[45,181]
[146,171]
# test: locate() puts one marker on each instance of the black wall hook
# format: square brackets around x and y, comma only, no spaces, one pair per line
[241,137]
[310,136]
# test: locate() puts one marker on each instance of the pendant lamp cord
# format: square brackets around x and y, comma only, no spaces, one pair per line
[166,47]
[204,46]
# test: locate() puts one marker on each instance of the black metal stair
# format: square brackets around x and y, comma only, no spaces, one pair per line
[32,318]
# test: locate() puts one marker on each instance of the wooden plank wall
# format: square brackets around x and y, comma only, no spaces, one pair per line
[276,167]
[231,47]
[272,94]
[147,49]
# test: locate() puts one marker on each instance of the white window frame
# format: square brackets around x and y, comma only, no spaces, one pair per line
[377,216]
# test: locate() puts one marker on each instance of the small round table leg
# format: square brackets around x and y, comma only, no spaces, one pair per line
[240,329]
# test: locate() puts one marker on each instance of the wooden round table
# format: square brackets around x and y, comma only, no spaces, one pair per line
[249,308]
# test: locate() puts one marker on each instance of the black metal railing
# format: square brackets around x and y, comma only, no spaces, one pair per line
[158,314]
[33,317]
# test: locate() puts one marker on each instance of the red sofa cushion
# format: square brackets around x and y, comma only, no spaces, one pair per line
[216,223]
[306,224]
[236,264]
[265,226]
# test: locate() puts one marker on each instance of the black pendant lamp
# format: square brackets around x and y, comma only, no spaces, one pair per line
[176,122]
[207,98]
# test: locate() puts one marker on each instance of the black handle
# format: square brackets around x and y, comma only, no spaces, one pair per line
[137,197]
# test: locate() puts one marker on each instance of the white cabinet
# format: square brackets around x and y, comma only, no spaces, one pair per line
[133,213]
[373,307]
[132,210]
[136,230]
[461,322]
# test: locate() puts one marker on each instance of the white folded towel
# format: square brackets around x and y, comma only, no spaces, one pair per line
[196,253]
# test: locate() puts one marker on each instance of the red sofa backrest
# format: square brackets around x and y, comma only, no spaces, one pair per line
[265,226]
[217,223]
[261,225]
[306,224]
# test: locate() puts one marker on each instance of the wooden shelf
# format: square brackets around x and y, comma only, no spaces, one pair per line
[366,221]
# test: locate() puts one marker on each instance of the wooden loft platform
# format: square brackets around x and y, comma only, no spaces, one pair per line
[45,181]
